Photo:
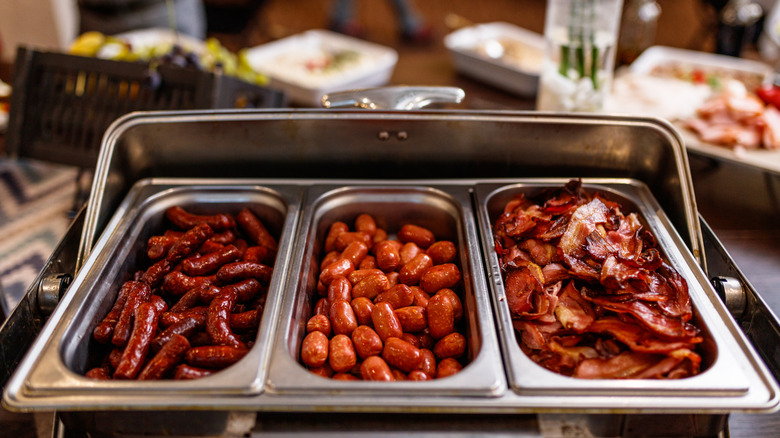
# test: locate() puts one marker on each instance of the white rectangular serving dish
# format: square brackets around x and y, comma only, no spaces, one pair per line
[293,64]
[765,159]
[656,56]
[500,54]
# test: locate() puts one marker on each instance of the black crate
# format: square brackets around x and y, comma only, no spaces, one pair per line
[62,104]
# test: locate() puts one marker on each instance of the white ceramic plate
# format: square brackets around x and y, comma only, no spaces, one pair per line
[308,65]
[659,55]
[500,54]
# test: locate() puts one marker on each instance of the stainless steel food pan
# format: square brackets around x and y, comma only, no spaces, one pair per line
[59,364]
[446,211]
[727,368]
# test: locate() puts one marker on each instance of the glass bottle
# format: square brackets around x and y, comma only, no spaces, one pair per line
[581,39]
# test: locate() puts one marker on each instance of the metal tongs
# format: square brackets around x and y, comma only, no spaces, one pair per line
[395,97]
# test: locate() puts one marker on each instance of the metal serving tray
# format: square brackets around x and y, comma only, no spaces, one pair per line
[726,371]
[378,148]
[57,366]
[446,211]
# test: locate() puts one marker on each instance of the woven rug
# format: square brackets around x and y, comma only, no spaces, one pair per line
[36,199]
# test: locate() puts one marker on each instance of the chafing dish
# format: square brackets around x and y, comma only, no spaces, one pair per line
[460,150]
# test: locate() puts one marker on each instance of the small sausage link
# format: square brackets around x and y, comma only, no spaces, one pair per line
[246,290]
[189,243]
[371,286]
[329,258]
[413,319]
[322,307]
[177,283]
[397,296]
[375,368]
[345,239]
[387,256]
[411,272]
[189,299]
[335,230]
[319,323]
[442,251]
[134,354]
[341,267]
[359,275]
[418,375]
[225,237]
[441,316]
[237,271]
[401,354]
[185,220]
[341,354]
[379,236]
[412,339]
[245,321]
[457,305]
[105,329]
[408,251]
[155,274]
[314,349]
[453,345]
[340,289]
[423,237]
[355,252]
[218,319]
[342,317]
[363,307]
[420,297]
[255,229]
[258,254]
[167,319]
[367,342]
[188,372]
[209,246]
[185,327]
[386,323]
[211,262]
[428,362]
[214,356]
[166,359]
[392,278]
[366,223]
[138,294]
[157,246]
[448,367]
[440,277]
[368,262]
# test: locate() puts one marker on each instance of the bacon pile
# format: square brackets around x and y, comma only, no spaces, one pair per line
[589,293]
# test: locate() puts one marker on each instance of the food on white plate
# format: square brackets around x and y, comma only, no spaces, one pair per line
[665,97]
[737,118]
[715,77]
[167,49]
[512,52]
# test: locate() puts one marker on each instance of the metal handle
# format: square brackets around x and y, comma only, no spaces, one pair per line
[732,294]
[50,290]
[393,98]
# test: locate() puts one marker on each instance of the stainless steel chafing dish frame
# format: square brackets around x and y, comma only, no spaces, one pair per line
[720,374]
[416,147]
